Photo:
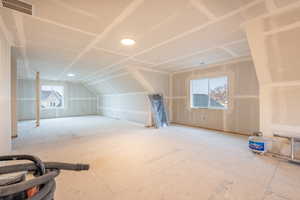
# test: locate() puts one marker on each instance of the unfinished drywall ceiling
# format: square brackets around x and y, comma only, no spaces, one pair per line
[281,3]
[150,23]
[84,37]
[199,59]
[90,16]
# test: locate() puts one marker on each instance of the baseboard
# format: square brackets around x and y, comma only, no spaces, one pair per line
[211,129]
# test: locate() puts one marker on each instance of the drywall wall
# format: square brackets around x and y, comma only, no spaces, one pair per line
[5,92]
[124,95]
[275,46]
[127,106]
[242,115]
[78,100]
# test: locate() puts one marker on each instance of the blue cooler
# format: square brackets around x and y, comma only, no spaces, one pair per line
[258,144]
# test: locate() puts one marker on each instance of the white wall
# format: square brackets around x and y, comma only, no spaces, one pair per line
[5,109]
[127,106]
[78,100]
[125,96]
[275,46]
[242,115]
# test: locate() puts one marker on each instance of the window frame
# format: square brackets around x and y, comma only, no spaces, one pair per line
[209,99]
[63,97]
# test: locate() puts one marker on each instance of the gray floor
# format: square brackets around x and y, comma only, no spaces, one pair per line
[130,162]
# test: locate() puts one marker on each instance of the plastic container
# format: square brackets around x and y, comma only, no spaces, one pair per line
[258,144]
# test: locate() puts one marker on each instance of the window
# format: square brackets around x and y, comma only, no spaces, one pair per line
[209,93]
[52,97]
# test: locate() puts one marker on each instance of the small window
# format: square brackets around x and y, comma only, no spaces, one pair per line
[52,97]
[209,93]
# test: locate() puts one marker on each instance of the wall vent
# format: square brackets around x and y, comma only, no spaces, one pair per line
[18,6]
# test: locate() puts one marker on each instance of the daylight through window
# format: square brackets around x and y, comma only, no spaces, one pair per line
[209,93]
[52,97]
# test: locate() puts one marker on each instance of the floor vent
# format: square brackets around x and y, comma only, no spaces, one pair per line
[18,6]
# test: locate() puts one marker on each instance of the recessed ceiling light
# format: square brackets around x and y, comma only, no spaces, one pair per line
[128,42]
[71,75]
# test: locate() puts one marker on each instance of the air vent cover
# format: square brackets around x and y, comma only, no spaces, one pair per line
[18,6]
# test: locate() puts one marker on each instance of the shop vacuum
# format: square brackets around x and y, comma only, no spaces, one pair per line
[34,180]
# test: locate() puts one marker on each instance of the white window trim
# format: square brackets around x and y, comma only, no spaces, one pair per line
[63,103]
[230,90]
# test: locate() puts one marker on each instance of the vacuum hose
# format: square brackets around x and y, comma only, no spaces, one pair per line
[43,182]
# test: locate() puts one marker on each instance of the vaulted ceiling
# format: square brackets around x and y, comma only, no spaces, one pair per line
[83,36]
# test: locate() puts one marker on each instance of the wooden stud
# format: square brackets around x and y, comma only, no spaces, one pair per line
[37,99]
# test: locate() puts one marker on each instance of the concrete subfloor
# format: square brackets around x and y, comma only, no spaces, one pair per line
[130,162]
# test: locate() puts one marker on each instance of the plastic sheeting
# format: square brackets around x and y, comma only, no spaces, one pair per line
[159,113]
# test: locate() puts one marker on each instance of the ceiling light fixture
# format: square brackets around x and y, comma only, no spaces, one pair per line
[71,75]
[127,42]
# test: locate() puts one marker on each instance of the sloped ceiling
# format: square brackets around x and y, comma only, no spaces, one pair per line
[83,36]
